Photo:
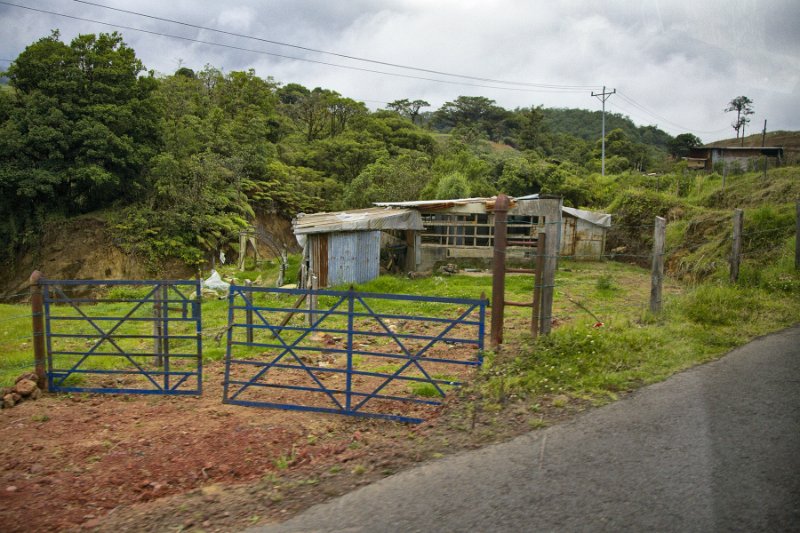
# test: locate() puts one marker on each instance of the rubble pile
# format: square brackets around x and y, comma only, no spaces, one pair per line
[24,389]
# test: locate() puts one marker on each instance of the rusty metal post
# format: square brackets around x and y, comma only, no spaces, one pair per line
[37,312]
[499,269]
[537,287]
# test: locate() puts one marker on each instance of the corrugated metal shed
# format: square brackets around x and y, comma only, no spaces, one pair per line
[345,247]
[353,257]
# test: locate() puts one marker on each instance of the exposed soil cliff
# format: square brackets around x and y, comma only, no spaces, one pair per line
[83,248]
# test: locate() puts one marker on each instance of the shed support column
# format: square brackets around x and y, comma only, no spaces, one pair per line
[412,250]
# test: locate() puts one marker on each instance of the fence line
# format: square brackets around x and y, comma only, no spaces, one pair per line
[756,232]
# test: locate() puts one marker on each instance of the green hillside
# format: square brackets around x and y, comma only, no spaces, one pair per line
[586,125]
[180,163]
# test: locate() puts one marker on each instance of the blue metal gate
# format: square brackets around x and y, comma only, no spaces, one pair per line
[123,336]
[361,354]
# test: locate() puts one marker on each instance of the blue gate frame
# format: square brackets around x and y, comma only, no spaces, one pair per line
[118,344]
[256,328]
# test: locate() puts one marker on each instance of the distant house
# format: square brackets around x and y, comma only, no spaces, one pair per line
[741,156]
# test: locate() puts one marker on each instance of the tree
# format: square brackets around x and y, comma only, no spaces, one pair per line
[476,112]
[744,108]
[390,179]
[452,186]
[309,110]
[344,157]
[682,144]
[79,129]
[407,108]
[341,110]
[531,128]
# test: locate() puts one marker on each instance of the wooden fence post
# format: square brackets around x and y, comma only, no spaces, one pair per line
[541,245]
[736,251]
[501,206]
[551,251]
[797,236]
[657,274]
[724,175]
[37,312]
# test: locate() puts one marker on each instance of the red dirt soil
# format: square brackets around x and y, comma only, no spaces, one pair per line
[69,459]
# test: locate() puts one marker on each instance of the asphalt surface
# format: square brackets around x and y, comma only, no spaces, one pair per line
[715,448]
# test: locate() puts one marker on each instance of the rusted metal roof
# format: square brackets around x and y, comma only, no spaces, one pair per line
[435,204]
[598,219]
[372,218]
[486,204]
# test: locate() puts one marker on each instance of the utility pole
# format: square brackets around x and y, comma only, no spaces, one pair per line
[603,96]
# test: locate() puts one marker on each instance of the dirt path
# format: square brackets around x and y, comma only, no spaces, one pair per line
[148,463]
[70,459]
[710,449]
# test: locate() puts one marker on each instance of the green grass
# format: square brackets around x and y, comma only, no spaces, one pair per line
[16,352]
[424,390]
[699,325]
[700,322]
[579,278]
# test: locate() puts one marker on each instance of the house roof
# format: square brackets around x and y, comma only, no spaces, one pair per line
[370,219]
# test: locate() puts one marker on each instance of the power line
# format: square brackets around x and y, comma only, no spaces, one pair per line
[263,52]
[653,114]
[337,54]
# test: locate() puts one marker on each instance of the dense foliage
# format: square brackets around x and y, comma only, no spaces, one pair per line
[179,163]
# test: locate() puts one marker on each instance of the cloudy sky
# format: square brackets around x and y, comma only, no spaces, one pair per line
[673,63]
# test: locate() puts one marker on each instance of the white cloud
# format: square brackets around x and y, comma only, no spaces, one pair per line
[681,60]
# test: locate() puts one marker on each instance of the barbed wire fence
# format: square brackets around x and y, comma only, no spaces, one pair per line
[603,296]
[600,297]
[16,352]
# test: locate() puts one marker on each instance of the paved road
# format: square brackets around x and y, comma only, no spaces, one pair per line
[716,448]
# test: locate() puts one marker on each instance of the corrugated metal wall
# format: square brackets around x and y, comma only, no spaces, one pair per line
[353,257]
